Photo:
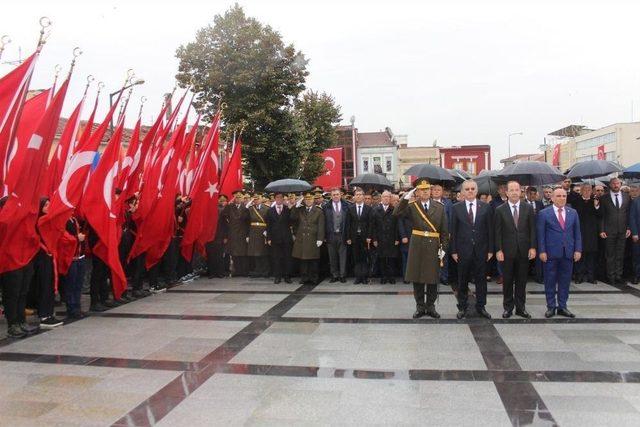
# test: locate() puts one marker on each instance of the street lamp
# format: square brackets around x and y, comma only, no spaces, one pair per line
[510,135]
[111,95]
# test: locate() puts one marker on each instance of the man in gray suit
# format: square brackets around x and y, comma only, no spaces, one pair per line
[335,214]
[614,228]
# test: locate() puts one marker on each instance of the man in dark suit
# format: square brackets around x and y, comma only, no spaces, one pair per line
[386,238]
[335,216]
[614,228]
[279,239]
[586,206]
[359,235]
[559,245]
[532,199]
[471,246]
[515,239]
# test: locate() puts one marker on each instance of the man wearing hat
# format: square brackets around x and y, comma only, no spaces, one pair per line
[257,238]
[235,215]
[280,239]
[309,225]
[429,240]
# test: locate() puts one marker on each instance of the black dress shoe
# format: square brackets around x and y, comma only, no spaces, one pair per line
[383,281]
[98,307]
[566,313]
[357,282]
[483,313]
[392,281]
[593,281]
[620,281]
[343,280]
[461,314]
[418,314]
[333,280]
[28,329]
[579,280]
[15,331]
[550,313]
[287,280]
[431,312]
[507,314]
[635,281]
[276,280]
[523,313]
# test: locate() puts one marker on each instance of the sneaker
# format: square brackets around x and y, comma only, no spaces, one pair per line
[156,289]
[98,307]
[50,322]
[15,331]
[76,315]
[29,329]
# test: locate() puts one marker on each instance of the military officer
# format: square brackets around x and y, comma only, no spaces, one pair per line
[235,215]
[256,240]
[429,238]
[309,235]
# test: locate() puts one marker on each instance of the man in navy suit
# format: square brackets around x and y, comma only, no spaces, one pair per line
[559,245]
[335,216]
[471,243]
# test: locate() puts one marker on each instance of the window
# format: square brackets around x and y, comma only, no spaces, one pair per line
[388,164]
[471,167]
[596,141]
[365,165]
[377,165]
[458,165]
[611,156]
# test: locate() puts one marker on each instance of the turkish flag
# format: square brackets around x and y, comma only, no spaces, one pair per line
[188,161]
[13,90]
[332,175]
[601,154]
[32,112]
[99,207]
[231,179]
[59,159]
[556,155]
[68,194]
[19,241]
[203,215]
[156,231]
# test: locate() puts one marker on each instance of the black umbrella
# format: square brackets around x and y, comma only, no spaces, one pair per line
[371,179]
[432,173]
[287,185]
[632,171]
[487,184]
[594,169]
[531,173]
[459,175]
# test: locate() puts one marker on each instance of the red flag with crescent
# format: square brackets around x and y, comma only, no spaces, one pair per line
[601,154]
[332,175]
[556,155]
[231,178]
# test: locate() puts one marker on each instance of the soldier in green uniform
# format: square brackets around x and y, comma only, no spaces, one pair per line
[308,221]
[257,239]
[429,237]
[235,215]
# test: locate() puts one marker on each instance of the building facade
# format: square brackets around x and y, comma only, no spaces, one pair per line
[469,158]
[377,152]
[347,139]
[411,156]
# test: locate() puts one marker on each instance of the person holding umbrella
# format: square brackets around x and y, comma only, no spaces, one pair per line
[429,240]
[279,239]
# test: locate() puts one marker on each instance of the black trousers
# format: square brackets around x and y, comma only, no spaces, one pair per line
[614,253]
[309,270]
[360,258]
[99,280]
[281,260]
[215,258]
[136,266]
[240,265]
[474,267]
[170,260]
[337,249]
[43,283]
[15,286]
[260,266]
[387,267]
[514,271]
[419,295]
[586,267]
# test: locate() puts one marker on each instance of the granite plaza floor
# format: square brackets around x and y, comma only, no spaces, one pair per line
[248,352]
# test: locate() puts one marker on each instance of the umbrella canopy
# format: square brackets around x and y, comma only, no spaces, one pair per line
[432,173]
[632,171]
[371,179]
[459,175]
[487,184]
[593,169]
[288,185]
[531,173]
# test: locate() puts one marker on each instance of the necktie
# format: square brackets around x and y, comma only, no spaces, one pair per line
[561,218]
[426,207]
[470,214]
[279,209]
[617,202]
[359,211]
[336,206]
[515,215]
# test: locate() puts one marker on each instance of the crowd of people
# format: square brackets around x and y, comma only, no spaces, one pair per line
[427,236]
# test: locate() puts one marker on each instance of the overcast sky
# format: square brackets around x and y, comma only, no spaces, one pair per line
[452,71]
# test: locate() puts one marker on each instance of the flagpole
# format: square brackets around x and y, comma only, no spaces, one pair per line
[45,23]
[143,99]
[4,40]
